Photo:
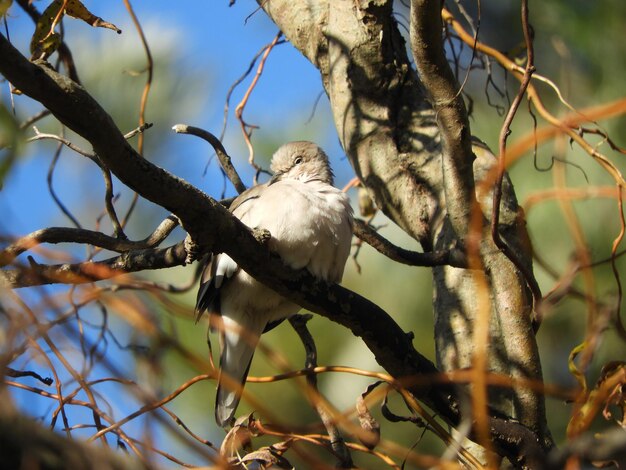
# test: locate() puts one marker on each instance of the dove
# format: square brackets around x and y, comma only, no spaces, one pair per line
[310,223]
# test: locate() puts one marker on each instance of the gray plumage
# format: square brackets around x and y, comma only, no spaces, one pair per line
[310,223]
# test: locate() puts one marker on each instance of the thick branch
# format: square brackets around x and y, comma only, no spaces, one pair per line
[388,131]
[445,96]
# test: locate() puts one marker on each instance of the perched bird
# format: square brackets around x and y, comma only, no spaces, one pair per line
[310,223]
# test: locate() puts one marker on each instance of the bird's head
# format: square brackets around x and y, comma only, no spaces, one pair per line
[303,161]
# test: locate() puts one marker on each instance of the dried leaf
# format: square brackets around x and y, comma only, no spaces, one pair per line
[609,390]
[371,437]
[76,9]
[615,373]
[239,436]
[45,41]
[267,457]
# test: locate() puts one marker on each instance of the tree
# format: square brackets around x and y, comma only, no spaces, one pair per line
[401,117]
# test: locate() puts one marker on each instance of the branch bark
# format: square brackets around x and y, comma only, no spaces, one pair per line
[77,235]
[445,96]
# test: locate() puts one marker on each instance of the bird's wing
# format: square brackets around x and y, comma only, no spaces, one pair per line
[218,269]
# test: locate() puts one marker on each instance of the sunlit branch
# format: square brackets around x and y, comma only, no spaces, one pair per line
[144,98]
[75,235]
[80,273]
[224,158]
[365,232]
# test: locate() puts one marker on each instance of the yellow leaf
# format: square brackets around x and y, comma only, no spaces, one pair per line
[76,9]
[609,390]
[45,41]
[580,377]
[4,6]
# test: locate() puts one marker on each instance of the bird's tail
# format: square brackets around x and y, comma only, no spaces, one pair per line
[237,351]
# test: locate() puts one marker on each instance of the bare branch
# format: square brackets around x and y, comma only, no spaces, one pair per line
[298,322]
[75,235]
[91,271]
[41,136]
[365,232]
[144,97]
[497,192]
[224,158]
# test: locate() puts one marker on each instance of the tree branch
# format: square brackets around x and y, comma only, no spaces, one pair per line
[28,444]
[91,271]
[223,157]
[365,232]
[445,96]
[76,235]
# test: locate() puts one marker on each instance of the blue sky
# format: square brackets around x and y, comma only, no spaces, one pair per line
[210,42]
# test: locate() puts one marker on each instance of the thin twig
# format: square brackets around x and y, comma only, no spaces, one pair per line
[453,257]
[27,373]
[144,98]
[242,104]
[91,271]
[77,235]
[560,125]
[298,322]
[33,119]
[150,407]
[497,191]
[57,200]
[106,174]
[224,158]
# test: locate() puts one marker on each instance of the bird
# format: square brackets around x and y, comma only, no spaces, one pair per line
[310,223]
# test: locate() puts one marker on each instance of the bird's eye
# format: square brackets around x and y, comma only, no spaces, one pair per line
[297,161]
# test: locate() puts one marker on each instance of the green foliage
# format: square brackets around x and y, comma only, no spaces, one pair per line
[12,139]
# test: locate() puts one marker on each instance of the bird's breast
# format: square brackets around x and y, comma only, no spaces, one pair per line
[310,225]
